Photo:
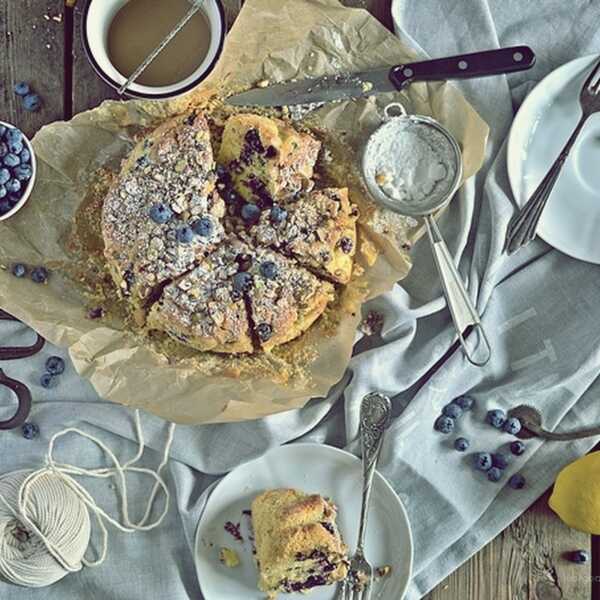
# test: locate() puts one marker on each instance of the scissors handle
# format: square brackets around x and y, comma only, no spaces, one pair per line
[16,352]
[23,397]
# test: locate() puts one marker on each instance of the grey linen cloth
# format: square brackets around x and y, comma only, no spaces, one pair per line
[540,309]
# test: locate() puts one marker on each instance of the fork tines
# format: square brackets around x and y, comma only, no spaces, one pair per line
[592,85]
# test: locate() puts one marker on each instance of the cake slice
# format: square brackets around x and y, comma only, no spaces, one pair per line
[266,158]
[284,298]
[206,308]
[317,228]
[298,545]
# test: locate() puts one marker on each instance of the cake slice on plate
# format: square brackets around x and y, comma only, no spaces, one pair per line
[298,545]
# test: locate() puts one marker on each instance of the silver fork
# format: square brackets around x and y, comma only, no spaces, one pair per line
[375,413]
[522,227]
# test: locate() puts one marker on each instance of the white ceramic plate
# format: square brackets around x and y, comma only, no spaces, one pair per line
[571,221]
[312,468]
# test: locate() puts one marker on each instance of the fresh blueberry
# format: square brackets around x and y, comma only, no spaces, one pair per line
[452,410]
[250,213]
[3,149]
[271,152]
[465,402]
[264,331]
[55,365]
[517,482]
[11,160]
[25,156]
[268,269]
[13,135]
[185,235]
[483,461]
[160,213]
[580,557]
[23,172]
[15,147]
[242,282]
[3,191]
[4,206]
[32,102]
[494,474]
[517,448]
[4,176]
[278,215]
[14,186]
[500,460]
[444,424]
[496,418]
[22,88]
[461,444]
[203,227]
[30,430]
[48,380]
[39,275]
[19,270]
[512,426]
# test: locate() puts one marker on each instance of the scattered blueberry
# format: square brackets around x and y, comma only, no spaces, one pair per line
[19,270]
[517,482]
[268,269]
[580,557]
[278,215]
[250,213]
[500,460]
[185,235]
[4,176]
[32,102]
[14,186]
[496,418]
[452,410]
[494,474]
[444,424]
[483,461]
[264,331]
[23,172]
[48,380]
[347,245]
[39,275]
[11,160]
[517,448]
[512,426]
[160,213]
[55,365]
[242,282]
[95,313]
[30,430]
[461,444]
[203,227]
[22,88]
[465,402]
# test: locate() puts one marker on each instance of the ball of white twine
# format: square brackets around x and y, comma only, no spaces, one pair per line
[44,514]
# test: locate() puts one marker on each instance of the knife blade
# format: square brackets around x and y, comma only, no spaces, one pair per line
[332,88]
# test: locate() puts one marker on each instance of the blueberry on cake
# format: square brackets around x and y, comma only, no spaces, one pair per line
[266,158]
[163,215]
[298,545]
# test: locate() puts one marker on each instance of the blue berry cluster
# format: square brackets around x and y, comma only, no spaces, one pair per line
[497,418]
[55,366]
[446,422]
[203,227]
[31,101]
[38,274]
[15,167]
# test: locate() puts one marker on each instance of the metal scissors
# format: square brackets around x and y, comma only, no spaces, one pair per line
[20,389]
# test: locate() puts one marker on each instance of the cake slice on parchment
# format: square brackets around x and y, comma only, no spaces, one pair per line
[298,545]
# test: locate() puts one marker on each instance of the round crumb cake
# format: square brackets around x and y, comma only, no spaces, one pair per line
[235,255]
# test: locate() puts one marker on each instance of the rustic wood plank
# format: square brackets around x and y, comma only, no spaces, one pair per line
[526,562]
[232,9]
[381,9]
[32,50]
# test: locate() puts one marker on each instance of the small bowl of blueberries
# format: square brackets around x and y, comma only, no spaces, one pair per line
[17,170]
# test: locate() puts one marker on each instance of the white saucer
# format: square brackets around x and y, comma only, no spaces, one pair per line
[311,468]
[571,221]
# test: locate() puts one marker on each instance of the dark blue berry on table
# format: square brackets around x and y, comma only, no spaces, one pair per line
[483,461]
[494,474]
[185,235]
[517,448]
[347,245]
[496,418]
[203,227]
[278,215]
[22,88]
[11,160]
[580,557]
[461,444]
[160,213]
[500,460]
[264,332]
[444,424]
[55,365]
[517,482]
[19,270]
[32,102]
[39,275]
[250,213]
[4,176]
[268,269]
[242,282]
[452,410]
[465,402]
[30,430]
[48,380]
[512,426]
[23,172]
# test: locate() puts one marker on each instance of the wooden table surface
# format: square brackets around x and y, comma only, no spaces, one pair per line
[40,43]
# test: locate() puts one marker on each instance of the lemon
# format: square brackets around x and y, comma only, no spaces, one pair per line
[576,495]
